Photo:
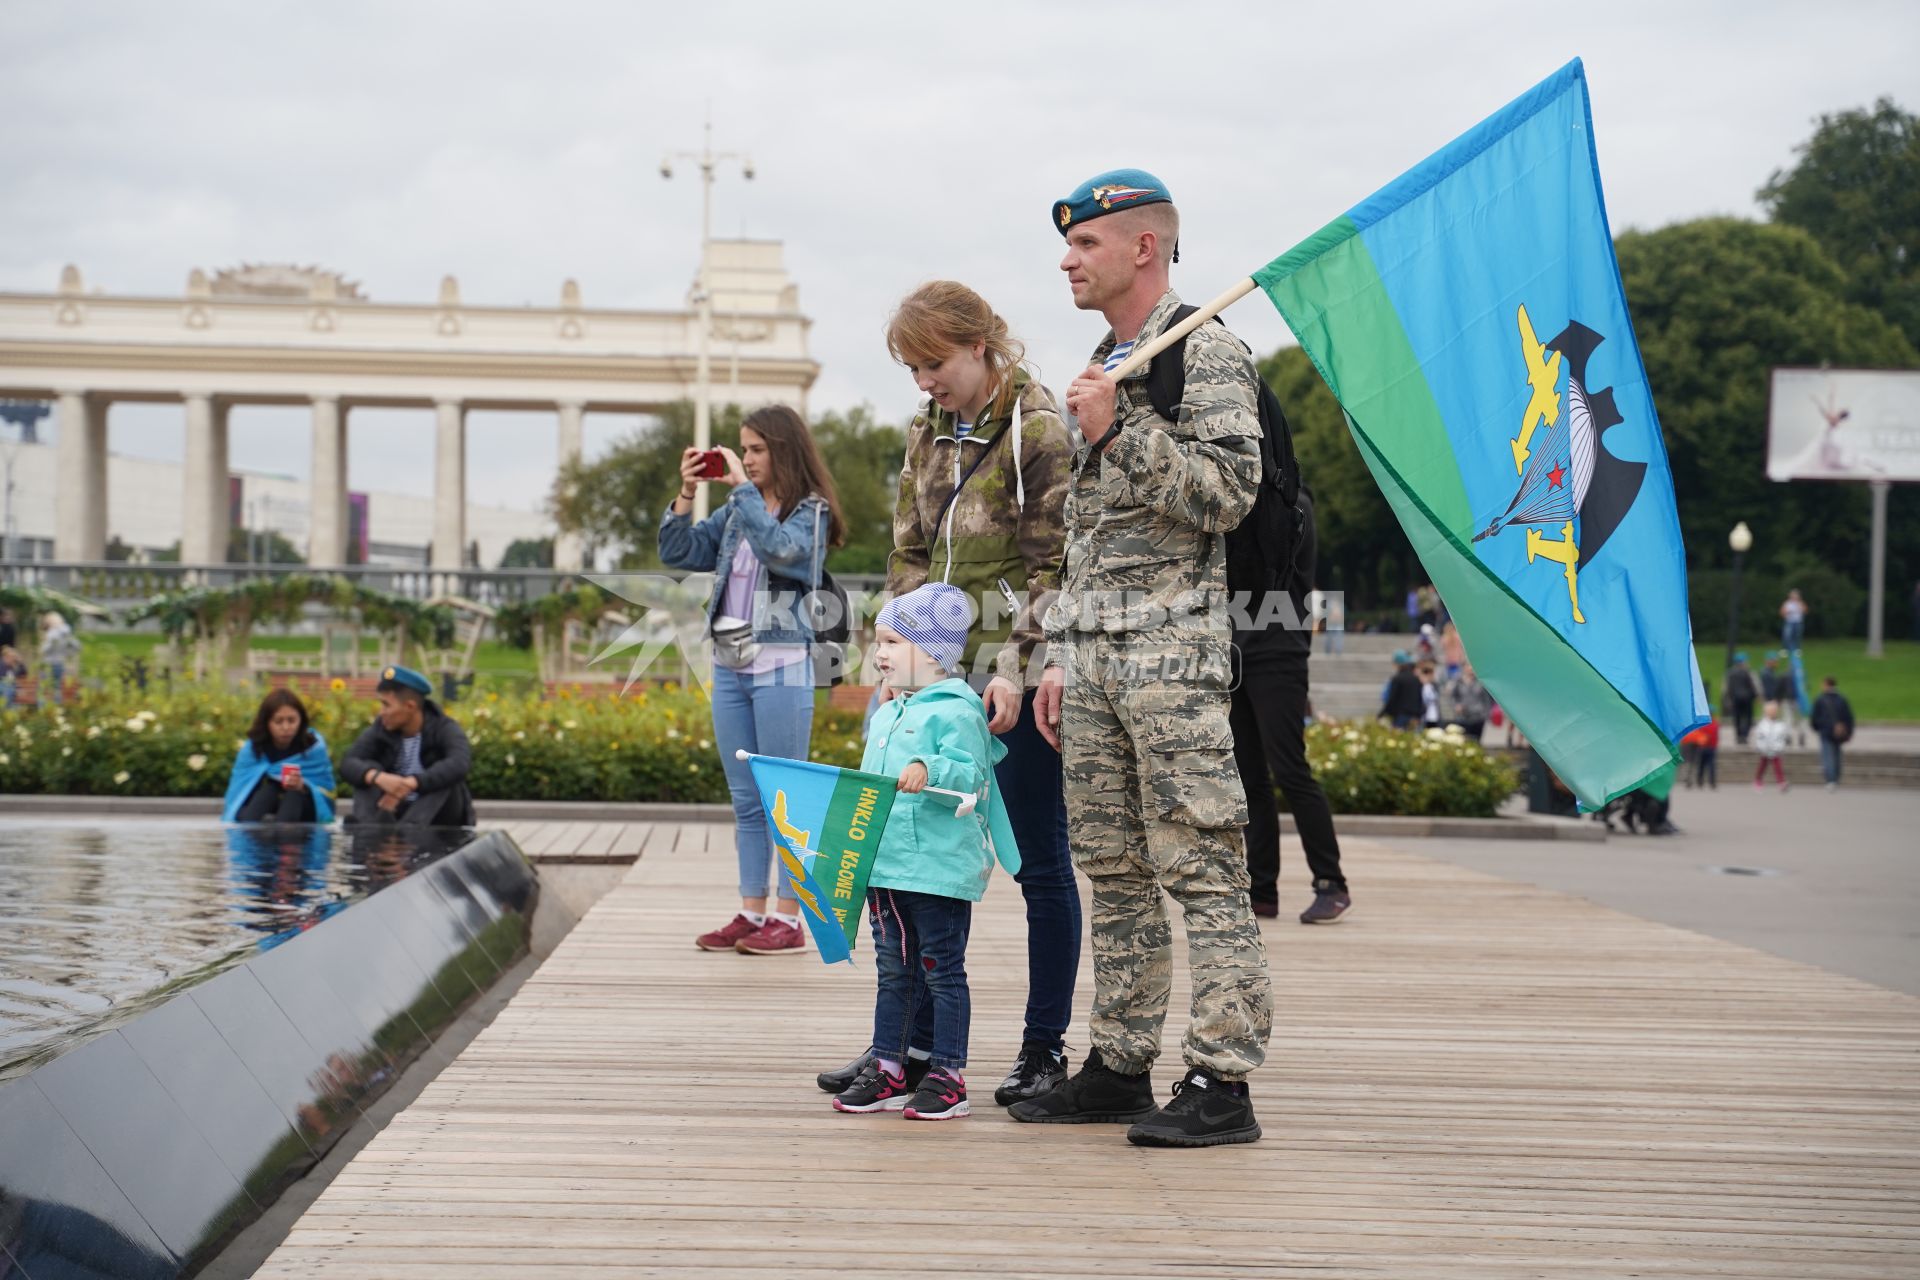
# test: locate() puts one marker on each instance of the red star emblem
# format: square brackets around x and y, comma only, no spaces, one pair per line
[1555,476]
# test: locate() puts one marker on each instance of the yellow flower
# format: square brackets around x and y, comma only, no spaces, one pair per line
[493,697]
[616,746]
[570,724]
[693,768]
[120,778]
[337,685]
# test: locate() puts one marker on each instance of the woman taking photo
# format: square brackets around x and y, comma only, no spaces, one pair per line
[282,772]
[982,495]
[766,547]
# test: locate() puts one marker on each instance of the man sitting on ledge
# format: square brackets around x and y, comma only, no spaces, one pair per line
[410,765]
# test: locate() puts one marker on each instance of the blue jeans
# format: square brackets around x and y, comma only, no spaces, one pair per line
[1030,782]
[1829,758]
[1790,633]
[920,959]
[767,715]
[58,670]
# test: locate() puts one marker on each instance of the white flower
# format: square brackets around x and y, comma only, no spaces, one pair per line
[65,752]
[693,768]
[5,758]
[120,778]
[672,732]
[570,724]
[509,759]
[520,735]
[136,725]
[148,715]
[705,744]
[93,731]
[559,736]
[196,762]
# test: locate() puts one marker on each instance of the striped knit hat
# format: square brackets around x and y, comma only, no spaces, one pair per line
[936,617]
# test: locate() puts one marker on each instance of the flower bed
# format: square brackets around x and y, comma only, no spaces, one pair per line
[653,745]
[1366,767]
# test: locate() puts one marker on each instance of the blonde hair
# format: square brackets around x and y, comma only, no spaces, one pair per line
[944,316]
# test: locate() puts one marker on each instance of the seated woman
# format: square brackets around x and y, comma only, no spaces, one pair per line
[282,772]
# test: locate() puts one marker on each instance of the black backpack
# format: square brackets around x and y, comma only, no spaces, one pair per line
[1260,550]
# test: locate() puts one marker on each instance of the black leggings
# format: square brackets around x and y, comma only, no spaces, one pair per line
[270,802]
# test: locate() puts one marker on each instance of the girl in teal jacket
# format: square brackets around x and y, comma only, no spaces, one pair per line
[932,864]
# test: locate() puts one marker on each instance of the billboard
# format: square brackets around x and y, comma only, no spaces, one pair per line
[1844,424]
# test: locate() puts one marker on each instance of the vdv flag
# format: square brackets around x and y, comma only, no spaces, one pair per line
[1470,319]
[826,824]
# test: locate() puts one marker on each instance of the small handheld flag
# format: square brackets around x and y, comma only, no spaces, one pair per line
[826,825]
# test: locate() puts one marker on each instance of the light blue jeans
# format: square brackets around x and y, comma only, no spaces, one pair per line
[767,715]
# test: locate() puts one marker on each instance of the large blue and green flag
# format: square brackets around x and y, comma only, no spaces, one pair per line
[1469,316]
[826,826]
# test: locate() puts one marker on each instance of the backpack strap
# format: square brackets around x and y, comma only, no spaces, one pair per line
[1167,372]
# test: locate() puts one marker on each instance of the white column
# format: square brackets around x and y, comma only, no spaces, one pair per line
[203,523]
[450,485]
[568,553]
[327,489]
[80,524]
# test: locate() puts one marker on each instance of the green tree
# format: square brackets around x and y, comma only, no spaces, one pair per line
[247,546]
[1856,188]
[615,500]
[1716,304]
[528,553]
[1362,550]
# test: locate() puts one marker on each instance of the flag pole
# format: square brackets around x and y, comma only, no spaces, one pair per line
[1138,357]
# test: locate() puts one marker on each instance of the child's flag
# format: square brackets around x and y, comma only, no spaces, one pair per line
[826,824]
[1470,318]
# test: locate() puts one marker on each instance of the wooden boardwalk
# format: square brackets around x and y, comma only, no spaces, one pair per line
[1469,1078]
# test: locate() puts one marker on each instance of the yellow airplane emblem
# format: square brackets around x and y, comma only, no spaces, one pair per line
[796,874]
[1542,375]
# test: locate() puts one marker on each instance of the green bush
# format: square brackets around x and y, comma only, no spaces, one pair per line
[653,745]
[1367,767]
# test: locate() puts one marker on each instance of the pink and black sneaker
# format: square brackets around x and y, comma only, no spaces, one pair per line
[941,1096]
[874,1089]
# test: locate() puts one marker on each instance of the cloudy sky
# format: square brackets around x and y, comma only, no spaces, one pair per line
[516,145]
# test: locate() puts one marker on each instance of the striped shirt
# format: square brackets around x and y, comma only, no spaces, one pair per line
[410,763]
[961,430]
[1121,350]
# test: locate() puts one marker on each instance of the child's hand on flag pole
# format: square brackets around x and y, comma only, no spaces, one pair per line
[913,778]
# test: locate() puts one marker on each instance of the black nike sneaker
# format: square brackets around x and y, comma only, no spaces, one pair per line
[874,1090]
[840,1079]
[1096,1094]
[1206,1111]
[1038,1070]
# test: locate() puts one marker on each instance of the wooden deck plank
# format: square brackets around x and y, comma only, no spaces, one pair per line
[1469,1077]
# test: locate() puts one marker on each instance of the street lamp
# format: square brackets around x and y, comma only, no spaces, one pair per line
[708,160]
[1741,541]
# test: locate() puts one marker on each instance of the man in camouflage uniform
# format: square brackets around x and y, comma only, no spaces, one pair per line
[1136,689]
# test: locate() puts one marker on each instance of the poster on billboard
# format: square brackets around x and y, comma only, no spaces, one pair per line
[1844,424]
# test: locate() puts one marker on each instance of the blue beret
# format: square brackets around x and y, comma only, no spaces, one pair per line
[1740,656]
[1110,192]
[1401,657]
[403,678]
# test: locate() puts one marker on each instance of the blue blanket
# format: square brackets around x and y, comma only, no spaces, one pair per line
[249,766]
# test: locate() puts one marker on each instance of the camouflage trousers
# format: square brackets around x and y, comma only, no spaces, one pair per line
[1154,808]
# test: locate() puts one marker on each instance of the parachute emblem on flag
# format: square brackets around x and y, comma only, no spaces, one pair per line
[1572,479]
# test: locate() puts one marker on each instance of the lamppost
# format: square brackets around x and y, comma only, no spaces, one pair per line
[1741,540]
[708,160]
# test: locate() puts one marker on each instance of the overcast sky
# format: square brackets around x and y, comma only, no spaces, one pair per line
[516,145]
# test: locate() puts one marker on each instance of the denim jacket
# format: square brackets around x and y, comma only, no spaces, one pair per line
[790,563]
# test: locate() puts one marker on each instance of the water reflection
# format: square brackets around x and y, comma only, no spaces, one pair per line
[96,922]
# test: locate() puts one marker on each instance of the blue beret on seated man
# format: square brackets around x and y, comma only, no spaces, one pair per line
[411,764]
[1110,192]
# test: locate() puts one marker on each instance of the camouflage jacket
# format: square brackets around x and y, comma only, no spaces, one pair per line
[1147,519]
[987,536]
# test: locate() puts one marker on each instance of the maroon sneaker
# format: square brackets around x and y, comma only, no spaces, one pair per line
[774,938]
[727,936]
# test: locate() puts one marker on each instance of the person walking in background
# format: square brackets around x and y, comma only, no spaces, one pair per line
[1269,720]
[1453,651]
[1778,685]
[1706,747]
[1770,743]
[1833,722]
[282,772]
[59,654]
[1400,700]
[1737,696]
[1467,702]
[1793,620]
[13,668]
[766,548]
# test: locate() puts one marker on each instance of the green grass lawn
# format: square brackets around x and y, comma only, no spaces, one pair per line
[1880,689]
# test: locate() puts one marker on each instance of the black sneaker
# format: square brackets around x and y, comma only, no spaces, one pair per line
[840,1079]
[873,1090]
[1328,906]
[1038,1070]
[941,1096]
[1096,1094]
[1205,1112]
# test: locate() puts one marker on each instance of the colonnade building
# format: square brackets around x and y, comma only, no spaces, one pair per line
[301,336]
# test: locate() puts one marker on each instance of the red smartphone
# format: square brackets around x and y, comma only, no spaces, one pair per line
[713,465]
[289,773]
